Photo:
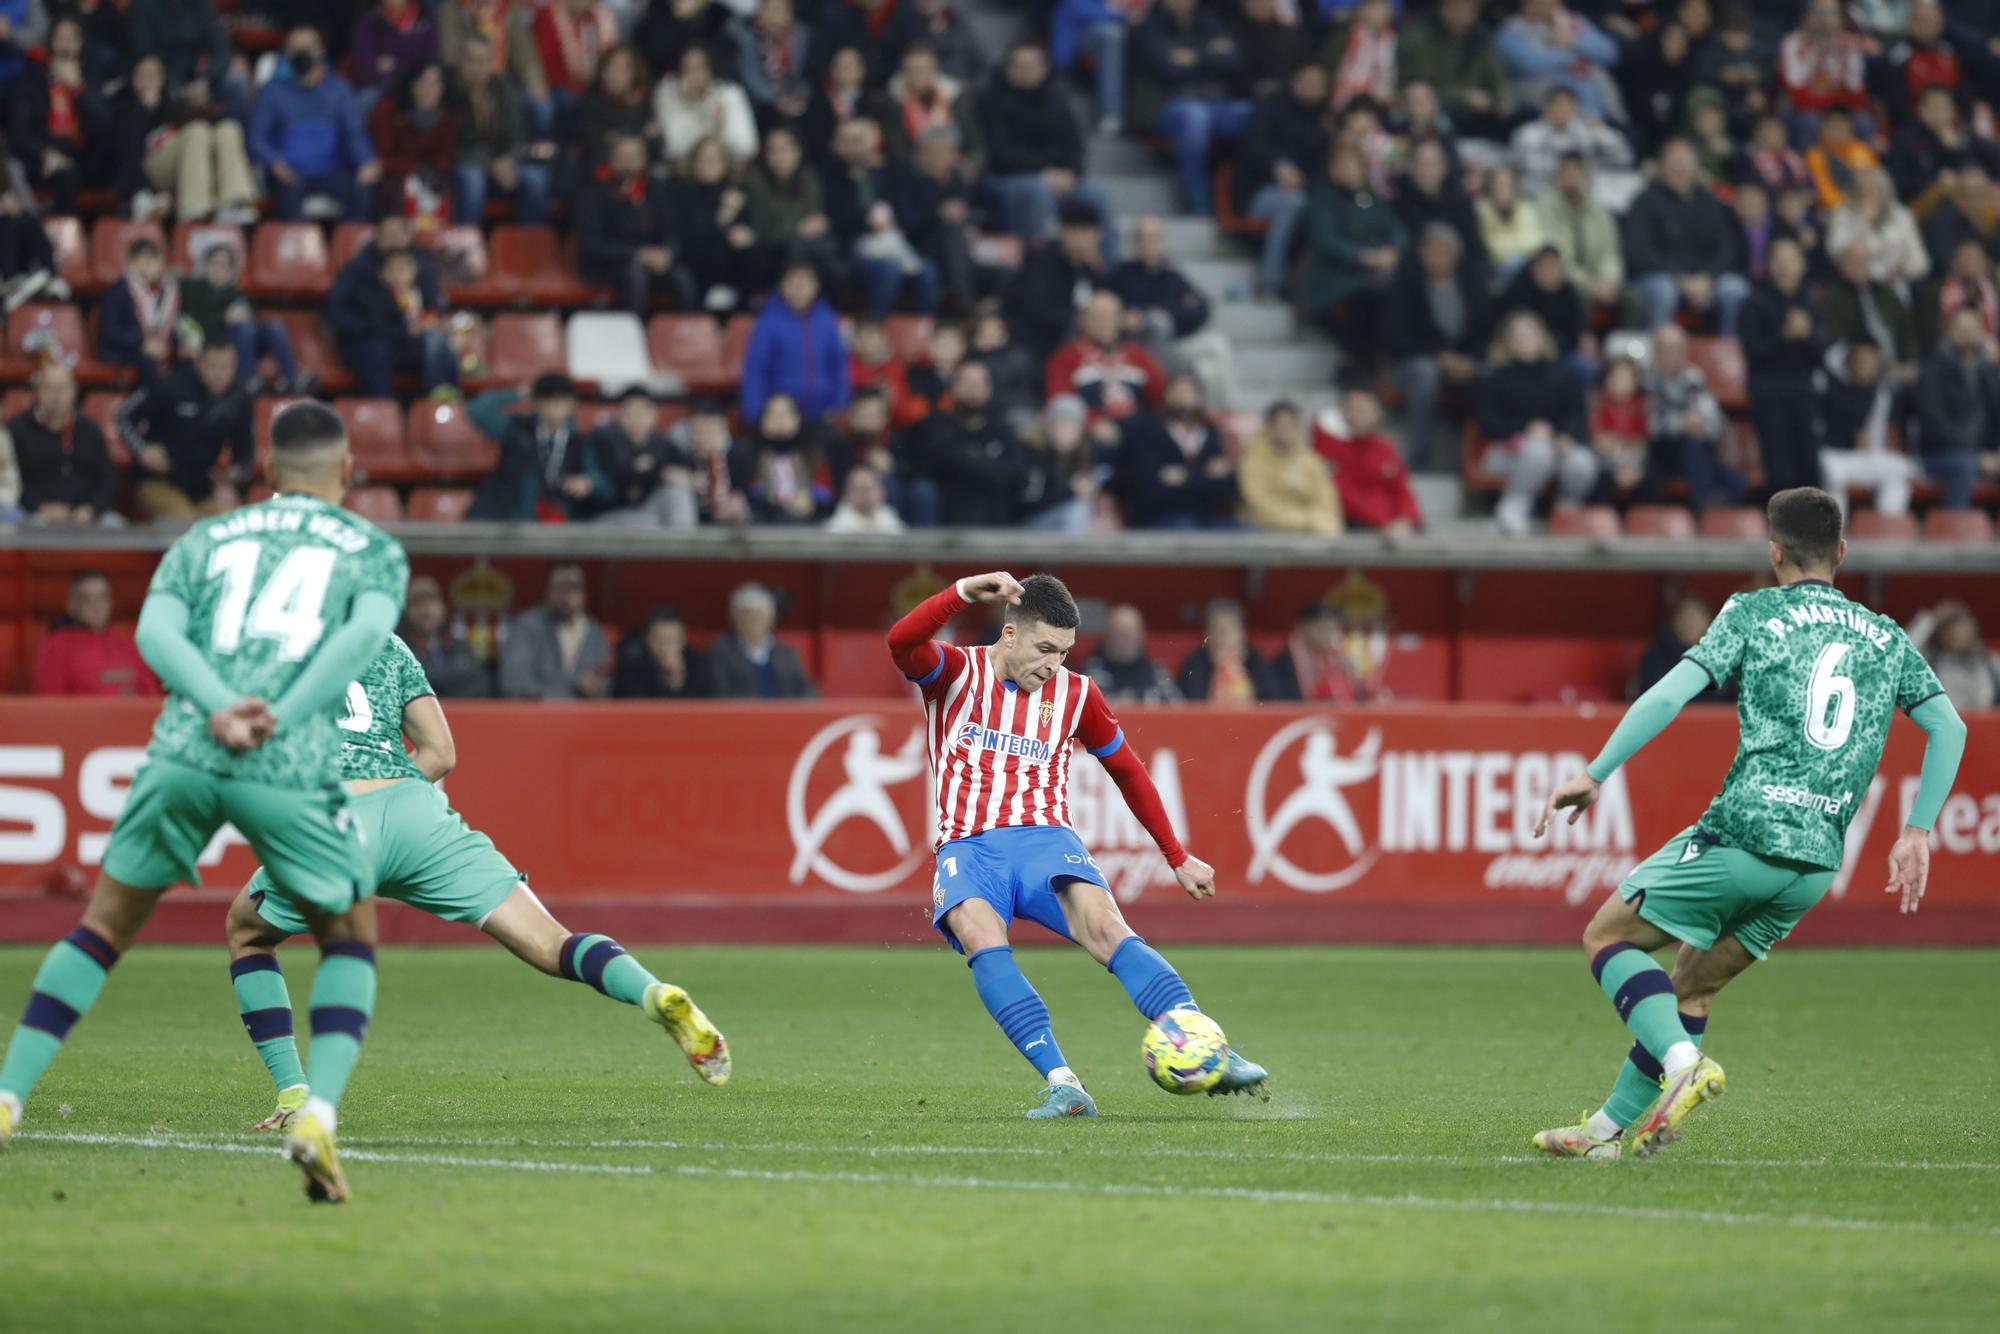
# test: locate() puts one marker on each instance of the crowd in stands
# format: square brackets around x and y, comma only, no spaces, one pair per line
[1605,252]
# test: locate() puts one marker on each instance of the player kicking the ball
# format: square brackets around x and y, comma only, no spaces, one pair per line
[426,856]
[1000,723]
[1819,677]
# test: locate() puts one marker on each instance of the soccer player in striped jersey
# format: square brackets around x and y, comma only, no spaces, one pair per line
[1000,723]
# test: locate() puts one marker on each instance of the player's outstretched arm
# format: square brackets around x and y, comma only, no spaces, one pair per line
[1646,719]
[1944,747]
[342,657]
[910,643]
[431,748]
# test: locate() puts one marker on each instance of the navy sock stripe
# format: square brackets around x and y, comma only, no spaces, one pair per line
[1018,1011]
[49,1015]
[267,1025]
[348,949]
[566,961]
[1695,1024]
[340,1019]
[96,946]
[1640,986]
[597,958]
[254,963]
[1161,992]
[1605,956]
[1642,1061]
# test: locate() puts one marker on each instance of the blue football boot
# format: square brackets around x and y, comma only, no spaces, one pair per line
[1241,1076]
[1062,1100]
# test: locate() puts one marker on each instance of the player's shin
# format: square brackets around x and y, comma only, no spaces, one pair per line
[1149,979]
[1643,994]
[343,999]
[266,1007]
[1019,1010]
[67,985]
[1638,1083]
[601,962]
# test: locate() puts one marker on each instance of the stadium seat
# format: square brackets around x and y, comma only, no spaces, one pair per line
[66,326]
[377,504]
[1943,525]
[520,347]
[1737,523]
[1659,521]
[1874,525]
[72,255]
[609,348]
[461,258]
[445,444]
[109,238]
[288,261]
[1226,216]
[192,236]
[735,346]
[348,238]
[102,408]
[1721,360]
[525,266]
[375,434]
[909,337]
[439,504]
[317,354]
[692,347]
[1598,522]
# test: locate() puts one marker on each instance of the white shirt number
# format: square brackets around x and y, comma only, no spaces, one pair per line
[1829,700]
[359,716]
[288,608]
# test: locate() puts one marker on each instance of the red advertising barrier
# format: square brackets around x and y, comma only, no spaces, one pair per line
[813,821]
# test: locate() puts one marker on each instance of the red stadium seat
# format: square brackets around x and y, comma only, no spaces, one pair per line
[288,260]
[1598,522]
[1226,216]
[1659,521]
[65,325]
[377,504]
[439,504]
[72,255]
[691,347]
[1943,525]
[520,347]
[1875,526]
[348,238]
[109,239]
[192,236]
[525,266]
[444,443]
[375,434]
[909,337]
[1740,523]
[735,344]
[317,354]
[1721,360]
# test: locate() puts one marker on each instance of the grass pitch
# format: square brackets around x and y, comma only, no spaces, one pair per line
[528,1155]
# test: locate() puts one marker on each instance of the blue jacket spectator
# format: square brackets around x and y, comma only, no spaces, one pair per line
[27,24]
[1096,27]
[1546,46]
[796,349]
[306,132]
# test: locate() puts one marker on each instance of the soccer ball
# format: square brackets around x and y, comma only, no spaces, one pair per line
[1185,1051]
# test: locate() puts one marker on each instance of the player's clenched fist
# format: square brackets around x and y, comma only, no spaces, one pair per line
[996,587]
[1197,877]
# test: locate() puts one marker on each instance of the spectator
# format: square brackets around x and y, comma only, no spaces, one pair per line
[1618,432]
[1368,470]
[164,149]
[1326,663]
[1062,482]
[546,470]
[791,480]
[1681,631]
[67,476]
[1173,466]
[1756,227]
[1917,59]
[1509,228]
[1733,63]
[59,124]
[1677,239]
[1857,306]
[177,430]
[1770,158]
[572,38]
[85,654]
[856,188]
[1168,313]
[1958,410]
[1538,147]
[139,322]
[618,104]
[1855,405]
[843,95]
[1114,376]
[1821,68]
[938,25]
[1871,214]
[23,24]
[1948,637]
[1531,413]
[10,481]
[749,662]
[1659,75]
[416,139]
[863,437]
[1970,283]
[872,363]
[715,243]
[932,198]
[1783,342]
[785,207]
[1287,488]
[1017,376]
[1427,193]
[508,26]
[944,352]
[1970,211]
[187,36]
[1224,668]
[1034,148]
[1043,300]
[1356,243]
[1707,128]
[652,478]
[27,260]
[1285,139]
[1684,423]
[864,505]
[1453,52]
[306,133]
[492,148]
[1096,28]
[1435,324]
[1583,231]
[692,104]
[667,31]
[977,462]
[924,100]
[1928,150]
[1546,46]
[722,466]
[1121,668]
[771,61]
[657,663]
[623,233]
[386,327]
[1188,85]
[453,668]
[1544,287]
[392,42]
[795,349]
[1837,157]
[556,651]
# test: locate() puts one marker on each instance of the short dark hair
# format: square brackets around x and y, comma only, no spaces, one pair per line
[552,384]
[1805,523]
[142,245]
[306,428]
[82,577]
[1045,599]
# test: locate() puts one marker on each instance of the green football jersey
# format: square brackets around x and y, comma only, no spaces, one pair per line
[371,744]
[1819,679]
[264,585]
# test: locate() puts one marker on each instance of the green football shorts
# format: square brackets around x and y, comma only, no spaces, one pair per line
[424,855]
[305,836]
[1699,891]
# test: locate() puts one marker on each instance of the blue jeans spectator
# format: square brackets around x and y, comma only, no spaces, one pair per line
[919,503]
[375,361]
[1106,44]
[1069,516]
[288,201]
[1281,209]
[1194,523]
[257,339]
[1955,475]
[1193,125]
[882,280]
[1696,462]
[531,193]
[1663,298]
[1027,208]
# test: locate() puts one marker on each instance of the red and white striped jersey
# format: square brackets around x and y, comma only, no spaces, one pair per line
[1001,754]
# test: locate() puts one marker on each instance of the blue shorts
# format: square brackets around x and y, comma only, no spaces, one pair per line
[1017,870]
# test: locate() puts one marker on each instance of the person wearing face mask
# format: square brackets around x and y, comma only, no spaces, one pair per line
[58,123]
[972,456]
[306,133]
[792,481]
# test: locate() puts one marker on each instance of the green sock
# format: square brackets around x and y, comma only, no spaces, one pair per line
[343,997]
[1643,994]
[66,986]
[267,1016]
[1638,1080]
[603,963]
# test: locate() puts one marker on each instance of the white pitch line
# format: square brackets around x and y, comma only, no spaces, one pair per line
[1472,1204]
